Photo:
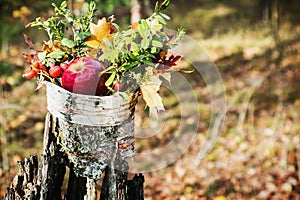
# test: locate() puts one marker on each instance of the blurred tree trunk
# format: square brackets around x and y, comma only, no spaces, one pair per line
[276,19]
[271,13]
[265,9]
[275,25]
[136,11]
[140,9]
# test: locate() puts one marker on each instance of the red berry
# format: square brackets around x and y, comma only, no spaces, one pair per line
[112,29]
[35,66]
[118,86]
[64,66]
[55,71]
[29,74]
[42,67]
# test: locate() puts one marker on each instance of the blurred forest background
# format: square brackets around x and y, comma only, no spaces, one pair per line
[256,47]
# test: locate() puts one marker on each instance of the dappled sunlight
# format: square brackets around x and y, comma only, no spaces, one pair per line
[250,42]
[203,17]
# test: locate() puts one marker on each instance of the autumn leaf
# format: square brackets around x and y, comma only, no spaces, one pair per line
[135,26]
[99,31]
[50,46]
[149,90]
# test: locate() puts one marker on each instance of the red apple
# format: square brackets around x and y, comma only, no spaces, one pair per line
[102,89]
[82,76]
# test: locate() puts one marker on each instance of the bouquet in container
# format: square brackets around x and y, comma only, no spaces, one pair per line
[92,56]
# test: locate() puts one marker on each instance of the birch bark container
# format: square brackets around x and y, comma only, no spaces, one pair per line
[92,128]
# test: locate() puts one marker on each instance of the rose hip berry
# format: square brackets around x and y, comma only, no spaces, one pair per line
[112,30]
[35,66]
[29,74]
[118,86]
[42,67]
[64,66]
[55,71]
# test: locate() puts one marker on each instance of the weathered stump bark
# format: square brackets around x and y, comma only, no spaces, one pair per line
[52,166]
[135,189]
[115,184]
[24,185]
[76,187]
[44,182]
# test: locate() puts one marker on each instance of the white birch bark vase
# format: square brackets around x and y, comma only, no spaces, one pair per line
[92,128]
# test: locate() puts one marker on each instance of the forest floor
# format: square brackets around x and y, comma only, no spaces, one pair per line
[256,154]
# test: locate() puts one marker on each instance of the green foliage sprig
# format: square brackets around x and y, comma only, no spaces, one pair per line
[66,32]
[140,46]
[136,58]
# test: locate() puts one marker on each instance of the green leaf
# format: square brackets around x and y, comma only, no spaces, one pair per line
[157,27]
[129,32]
[67,42]
[141,30]
[56,54]
[92,5]
[161,19]
[156,9]
[126,41]
[156,43]
[144,24]
[131,65]
[132,56]
[107,42]
[110,69]
[134,47]
[154,50]
[111,79]
[114,55]
[147,62]
[125,67]
[65,22]
[165,16]
[83,35]
[46,23]
[141,57]
[54,5]
[144,29]
[164,5]
[64,4]
[117,27]
[145,43]
[151,56]
[42,55]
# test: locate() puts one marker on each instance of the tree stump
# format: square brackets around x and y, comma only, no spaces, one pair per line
[45,181]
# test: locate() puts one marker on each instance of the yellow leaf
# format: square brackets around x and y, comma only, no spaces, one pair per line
[50,46]
[220,198]
[99,31]
[149,90]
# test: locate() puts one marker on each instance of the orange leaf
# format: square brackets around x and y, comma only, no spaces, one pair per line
[99,31]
